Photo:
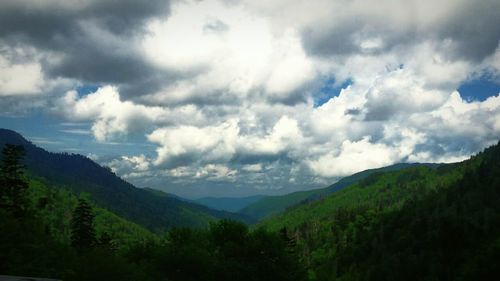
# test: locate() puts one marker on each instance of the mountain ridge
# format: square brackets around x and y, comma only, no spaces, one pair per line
[81,174]
[419,223]
[271,205]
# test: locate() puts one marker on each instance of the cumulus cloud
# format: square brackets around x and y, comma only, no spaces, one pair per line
[216,172]
[284,135]
[353,157]
[243,56]
[111,116]
[184,144]
[20,78]
[130,167]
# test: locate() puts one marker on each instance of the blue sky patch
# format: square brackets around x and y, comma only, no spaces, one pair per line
[478,89]
[329,90]
[86,89]
[48,132]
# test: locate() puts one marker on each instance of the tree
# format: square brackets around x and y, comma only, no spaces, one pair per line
[12,183]
[82,226]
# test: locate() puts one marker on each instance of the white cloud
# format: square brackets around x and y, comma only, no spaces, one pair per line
[216,172]
[353,157]
[234,96]
[243,57]
[252,167]
[20,78]
[130,166]
[111,116]
[212,142]
[187,144]
[284,135]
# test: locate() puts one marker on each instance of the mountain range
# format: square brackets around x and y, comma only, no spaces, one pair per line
[154,210]
[157,210]
[402,222]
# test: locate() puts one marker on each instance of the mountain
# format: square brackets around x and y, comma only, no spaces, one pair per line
[40,242]
[271,205]
[53,204]
[418,223]
[81,175]
[230,204]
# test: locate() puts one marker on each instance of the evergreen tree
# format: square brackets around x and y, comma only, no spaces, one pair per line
[82,226]
[12,182]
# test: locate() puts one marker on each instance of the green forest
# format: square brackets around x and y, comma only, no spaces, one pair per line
[50,232]
[417,222]
[420,223]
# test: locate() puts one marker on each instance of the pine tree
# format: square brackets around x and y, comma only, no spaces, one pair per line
[82,226]
[12,183]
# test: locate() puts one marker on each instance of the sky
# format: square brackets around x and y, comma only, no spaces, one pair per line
[244,97]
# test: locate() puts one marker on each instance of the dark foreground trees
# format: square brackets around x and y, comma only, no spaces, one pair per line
[12,182]
[82,226]
[227,251]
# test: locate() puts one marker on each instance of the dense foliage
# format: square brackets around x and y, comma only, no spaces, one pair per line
[422,223]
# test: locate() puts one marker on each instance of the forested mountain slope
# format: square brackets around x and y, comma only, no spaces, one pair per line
[271,205]
[47,230]
[80,174]
[414,224]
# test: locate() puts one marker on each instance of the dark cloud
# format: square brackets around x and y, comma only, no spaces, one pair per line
[254,158]
[345,39]
[381,111]
[472,28]
[45,23]
[86,62]
[104,54]
[151,81]
[126,16]
[330,41]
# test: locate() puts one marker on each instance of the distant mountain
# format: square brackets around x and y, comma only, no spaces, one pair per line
[230,204]
[271,205]
[80,174]
[418,223]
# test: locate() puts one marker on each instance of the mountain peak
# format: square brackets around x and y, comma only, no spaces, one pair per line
[12,137]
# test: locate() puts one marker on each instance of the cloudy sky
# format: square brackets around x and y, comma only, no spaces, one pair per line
[237,97]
